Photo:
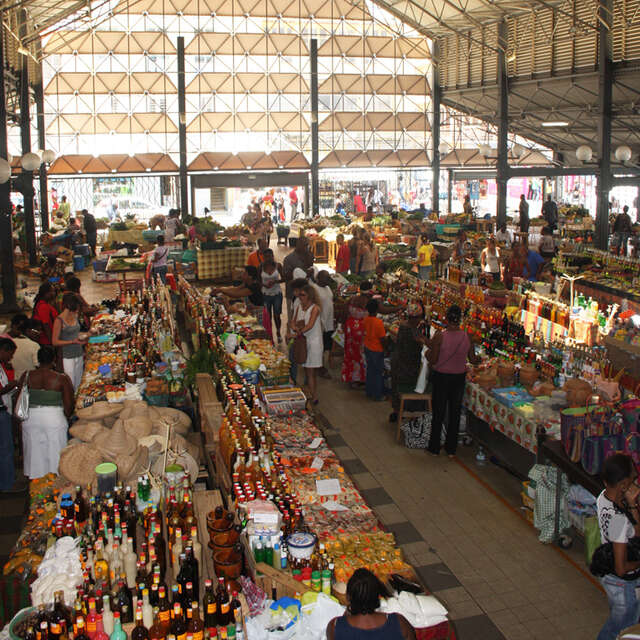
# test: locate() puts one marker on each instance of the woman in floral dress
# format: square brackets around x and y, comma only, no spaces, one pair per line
[353,367]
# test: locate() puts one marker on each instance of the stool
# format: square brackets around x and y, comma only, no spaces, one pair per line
[521,236]
[424,397]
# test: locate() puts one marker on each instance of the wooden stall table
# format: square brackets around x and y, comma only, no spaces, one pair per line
[484,226]
[126,285]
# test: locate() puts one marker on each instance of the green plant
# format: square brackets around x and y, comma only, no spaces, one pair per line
[202,361]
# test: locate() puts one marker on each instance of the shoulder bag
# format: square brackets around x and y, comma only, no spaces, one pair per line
[299,345]
[21,408]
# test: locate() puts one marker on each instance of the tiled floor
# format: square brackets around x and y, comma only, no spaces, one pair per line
[471,550]
[474,552]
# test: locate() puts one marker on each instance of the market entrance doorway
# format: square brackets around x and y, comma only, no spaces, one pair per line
[227,195]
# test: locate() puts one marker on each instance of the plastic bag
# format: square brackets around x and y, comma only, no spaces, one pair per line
[592,537]
[423,376]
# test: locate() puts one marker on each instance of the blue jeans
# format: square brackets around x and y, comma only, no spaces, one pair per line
[374,385]
[160,271]
[623,605]
[7,469]
[424,273]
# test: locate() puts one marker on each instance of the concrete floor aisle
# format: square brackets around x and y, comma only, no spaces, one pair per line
[478,556]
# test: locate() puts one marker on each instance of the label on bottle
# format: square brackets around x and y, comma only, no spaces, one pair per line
[182,636]
[164,615]
[55,628]
[211,607]
[91,626]
[198,635]
[224,609]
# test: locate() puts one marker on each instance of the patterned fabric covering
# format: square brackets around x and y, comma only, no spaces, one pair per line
[499,417]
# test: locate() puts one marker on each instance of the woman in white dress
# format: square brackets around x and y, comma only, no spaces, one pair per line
[44,432]
[306,321]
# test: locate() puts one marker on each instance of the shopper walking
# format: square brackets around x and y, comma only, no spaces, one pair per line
[374,333]
[271,277]
[324,293]
[621,231]
[523,210]
[619,520]
[159,259]
[448,356]
[550,213]
[90,230]
[44,311]
[362,620]
[424,261]
[8,385]
[353,370]
[256,258]
[367,256]
[490,259]
[293,203]
[353,245]
[66,332]
[299,258]
[306,322]
[44,432]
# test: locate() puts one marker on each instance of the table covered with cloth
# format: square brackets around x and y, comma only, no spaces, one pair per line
[514,423]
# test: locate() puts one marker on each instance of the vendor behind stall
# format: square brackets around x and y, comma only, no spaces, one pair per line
[249,290]
[90,230]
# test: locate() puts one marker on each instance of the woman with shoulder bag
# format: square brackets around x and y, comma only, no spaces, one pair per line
[44,432]
[447,357]
[619,520]
[306,322]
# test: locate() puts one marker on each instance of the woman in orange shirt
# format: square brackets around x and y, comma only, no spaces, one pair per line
[374,352]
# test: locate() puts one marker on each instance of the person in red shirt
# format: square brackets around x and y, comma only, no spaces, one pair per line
[256,258]
[358,204]
[44,312]
[293,201]
[343,257]
[374,333]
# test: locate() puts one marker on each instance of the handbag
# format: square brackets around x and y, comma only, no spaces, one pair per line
[421,384]
[630,413]
[417,431]
[603,563]
[299,344]
[21,408]
[597,448]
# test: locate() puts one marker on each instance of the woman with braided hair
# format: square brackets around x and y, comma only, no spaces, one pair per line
[362,620]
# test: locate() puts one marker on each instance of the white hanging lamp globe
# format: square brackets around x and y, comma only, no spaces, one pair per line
[584,153]
[518,150]
[5,171]
[30,161]
[485,150]
[48,156]
[623,153]
[443,148]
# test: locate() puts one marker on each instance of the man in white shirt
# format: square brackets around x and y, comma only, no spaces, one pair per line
[325,297]
[25,357]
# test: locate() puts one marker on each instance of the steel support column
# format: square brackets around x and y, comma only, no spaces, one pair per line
[502,164]
[6,232]
[436,97]
[449,188]
[182,131]
[42,174]
[25,137]
[605,85]
[315,180]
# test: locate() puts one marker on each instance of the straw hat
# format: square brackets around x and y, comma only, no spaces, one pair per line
[87,430]
[138,427]
[99,411]
[180,422]
[115,443]
[131,465]
[78,463]
[134,408]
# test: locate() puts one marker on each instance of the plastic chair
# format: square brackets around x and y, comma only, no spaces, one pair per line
[424,397]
